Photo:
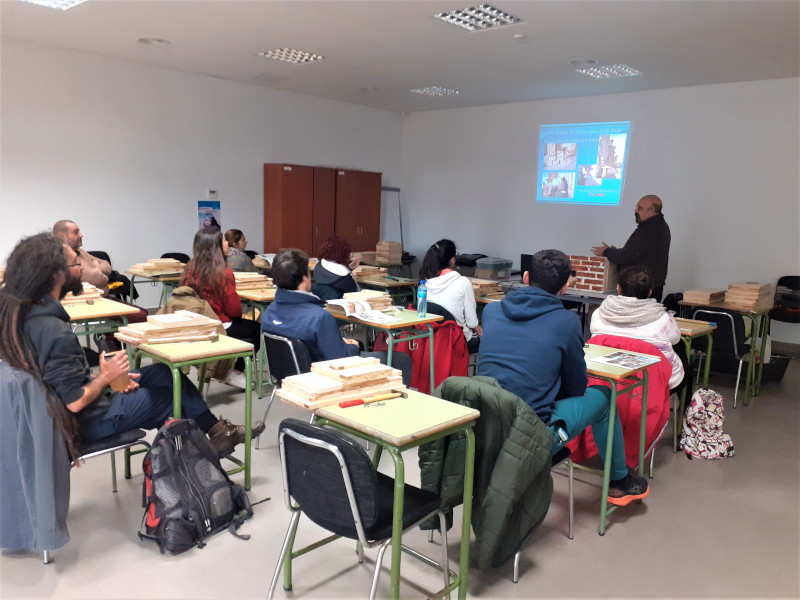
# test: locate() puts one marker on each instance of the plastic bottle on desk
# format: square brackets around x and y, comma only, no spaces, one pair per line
[422,299]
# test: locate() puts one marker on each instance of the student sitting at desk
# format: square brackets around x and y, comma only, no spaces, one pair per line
[207,275]
[297,313]
[333,273]
[533,347]
[634,313]
[237,259]
[36,337]
[450,289]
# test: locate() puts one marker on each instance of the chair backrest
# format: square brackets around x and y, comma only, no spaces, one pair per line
[180,256]
[790,281]
[329,476]
[438,309]
[102,255]
[286,356]
[251,253]
[729,336]
[325,292]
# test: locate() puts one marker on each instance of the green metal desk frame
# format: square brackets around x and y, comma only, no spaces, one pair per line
[628,385]
[175,367]
[397,515]
[398,293]
[261,357]
[99,326]
[166,286]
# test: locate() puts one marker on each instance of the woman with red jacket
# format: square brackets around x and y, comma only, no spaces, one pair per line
[208,275]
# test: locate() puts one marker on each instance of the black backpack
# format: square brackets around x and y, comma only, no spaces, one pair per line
[186,494]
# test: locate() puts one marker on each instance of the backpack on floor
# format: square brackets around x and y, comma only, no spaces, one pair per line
[702,427]
[186,494]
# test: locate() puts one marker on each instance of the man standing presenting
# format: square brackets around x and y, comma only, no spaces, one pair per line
[533,347]
[648,245]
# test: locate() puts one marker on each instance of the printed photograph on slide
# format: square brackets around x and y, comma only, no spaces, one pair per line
[558,185]
[589,175]
[562,157]
[611,155]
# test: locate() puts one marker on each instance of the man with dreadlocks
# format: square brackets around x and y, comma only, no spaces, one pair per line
[35,337]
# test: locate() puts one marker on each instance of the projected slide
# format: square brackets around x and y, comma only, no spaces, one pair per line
[582,163]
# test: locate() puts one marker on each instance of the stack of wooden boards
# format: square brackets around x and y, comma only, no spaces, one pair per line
[251,281]
[485,287]
[368,271]
[704,296]
[749,296]
[376,300]
[333,381]
[159,266]
[87,296]
[180,326]
[388,252]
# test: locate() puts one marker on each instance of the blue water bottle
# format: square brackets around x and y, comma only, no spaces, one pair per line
[422,299]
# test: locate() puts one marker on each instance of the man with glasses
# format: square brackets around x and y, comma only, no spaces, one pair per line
[648,245]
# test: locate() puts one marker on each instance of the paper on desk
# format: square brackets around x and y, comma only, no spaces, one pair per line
[374,316]
[625,360]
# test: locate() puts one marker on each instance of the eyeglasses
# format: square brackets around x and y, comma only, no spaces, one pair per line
[75,264]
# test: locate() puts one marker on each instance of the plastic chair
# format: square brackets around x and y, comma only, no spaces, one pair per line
[251,254]
[331,479]
[787,300]
[729,338]
[179,256]
[101,254]
[110,445]
[285,356]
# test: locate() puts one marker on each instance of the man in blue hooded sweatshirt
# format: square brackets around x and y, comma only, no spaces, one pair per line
[533,347]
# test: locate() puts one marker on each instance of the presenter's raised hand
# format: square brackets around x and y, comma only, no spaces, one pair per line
[599,250]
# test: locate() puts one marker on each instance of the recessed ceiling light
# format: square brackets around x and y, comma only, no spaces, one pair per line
[483,16]
[609,71]
[290,55]
[435,90]
[57,4]
[154,41]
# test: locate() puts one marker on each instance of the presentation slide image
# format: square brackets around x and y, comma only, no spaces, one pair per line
[561,157]
[589,175]
[559,185]
[611,155]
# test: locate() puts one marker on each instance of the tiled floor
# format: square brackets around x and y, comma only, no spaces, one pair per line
[709,529]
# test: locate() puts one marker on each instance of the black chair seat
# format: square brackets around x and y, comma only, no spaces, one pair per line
[179,256]
[112,441]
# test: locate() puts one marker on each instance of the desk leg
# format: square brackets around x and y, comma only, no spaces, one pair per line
[390,344]
[710,339]
[248,418]
[612,415]
[749,382]
[397,518]
[430,348]
[176,391]
[643,426]
[469,476]
[764,330]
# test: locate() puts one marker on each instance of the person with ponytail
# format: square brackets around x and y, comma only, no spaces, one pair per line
[451,290]
[237,258]
[36,337]
[208,275]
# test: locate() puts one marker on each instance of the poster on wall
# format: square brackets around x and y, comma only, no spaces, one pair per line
[582,163]
[209,214]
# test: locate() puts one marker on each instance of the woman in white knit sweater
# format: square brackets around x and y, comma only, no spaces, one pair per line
[635,314]
[451,290]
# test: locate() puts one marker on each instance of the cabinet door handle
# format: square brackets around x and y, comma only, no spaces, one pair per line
[316,230]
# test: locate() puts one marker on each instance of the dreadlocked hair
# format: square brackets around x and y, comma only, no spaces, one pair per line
[31,272]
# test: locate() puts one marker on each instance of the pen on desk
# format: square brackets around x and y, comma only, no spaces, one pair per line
[360,401]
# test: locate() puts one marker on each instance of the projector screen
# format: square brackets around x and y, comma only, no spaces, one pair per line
[582,163]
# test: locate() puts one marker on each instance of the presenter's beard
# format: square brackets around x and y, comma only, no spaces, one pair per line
[638,220]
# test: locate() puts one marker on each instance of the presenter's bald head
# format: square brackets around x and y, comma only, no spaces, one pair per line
[648,206]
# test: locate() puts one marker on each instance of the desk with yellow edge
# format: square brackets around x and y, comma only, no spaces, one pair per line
[96,318]
[168,281]
[398,425]
[258,299]
[621,380]
[402,329]
[183,354]
[399,288]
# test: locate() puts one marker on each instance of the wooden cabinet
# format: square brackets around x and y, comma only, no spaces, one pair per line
[304,206]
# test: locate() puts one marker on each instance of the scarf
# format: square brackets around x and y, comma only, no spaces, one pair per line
[625,311]
[234,251]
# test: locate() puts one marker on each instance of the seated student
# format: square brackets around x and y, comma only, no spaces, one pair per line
[297,313]
[334,267]
[35,336]
[237,259]
[533,347]
[635,314]
[450,289]
[206,273]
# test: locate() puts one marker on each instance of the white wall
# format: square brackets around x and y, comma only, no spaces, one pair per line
[724,159]
[127,150]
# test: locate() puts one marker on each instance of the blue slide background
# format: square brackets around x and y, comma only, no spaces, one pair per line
[570,186]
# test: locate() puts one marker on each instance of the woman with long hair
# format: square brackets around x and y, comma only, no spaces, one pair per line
[208,275]
[237,259]
[334,267]
[450,289]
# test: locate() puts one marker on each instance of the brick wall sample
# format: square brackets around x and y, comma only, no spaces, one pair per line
[594,273]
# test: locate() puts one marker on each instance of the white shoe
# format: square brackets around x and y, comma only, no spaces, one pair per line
[237,379]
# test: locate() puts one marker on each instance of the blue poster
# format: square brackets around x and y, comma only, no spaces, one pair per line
[209,214]
[582,163]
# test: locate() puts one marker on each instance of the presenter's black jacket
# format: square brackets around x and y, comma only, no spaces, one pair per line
[648,246]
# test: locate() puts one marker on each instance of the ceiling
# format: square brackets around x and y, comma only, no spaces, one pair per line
[377,51]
